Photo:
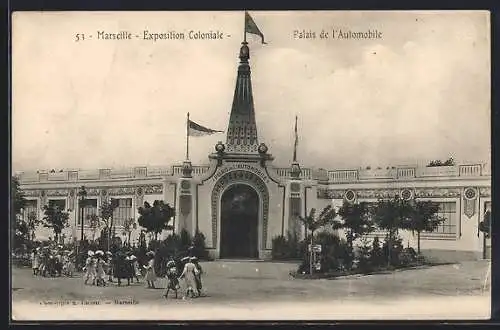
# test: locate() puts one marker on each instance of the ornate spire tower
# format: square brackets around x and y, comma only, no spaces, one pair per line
[242,129]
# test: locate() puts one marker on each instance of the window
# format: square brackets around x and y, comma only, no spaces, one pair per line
[29,207]
[123,212]
[60,203]
[448,211]
[89,208]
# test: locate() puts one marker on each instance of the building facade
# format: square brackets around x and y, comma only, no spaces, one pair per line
[240,200]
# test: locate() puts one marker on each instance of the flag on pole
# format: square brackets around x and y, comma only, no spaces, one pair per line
[195,129]
[251,27]
[296,141]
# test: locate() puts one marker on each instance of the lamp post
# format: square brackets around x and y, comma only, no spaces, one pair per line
[83,194]
[114,205]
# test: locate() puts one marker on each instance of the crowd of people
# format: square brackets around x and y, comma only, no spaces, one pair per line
[101,268]
[53,261]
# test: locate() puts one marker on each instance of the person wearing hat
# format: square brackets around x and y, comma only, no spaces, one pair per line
[150,270]
[100,264]
[189,275]
[197,277]
[109,265]
[135,266]
[35,261]
[120,268]
[173,281]
[70,264]
[90,267]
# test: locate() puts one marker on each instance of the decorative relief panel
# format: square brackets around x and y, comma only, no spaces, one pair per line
[470,197]
[437,192]
[56,192]
[115,191]
[43,198]
[485,192]
[139,196]
[185,187]
[390,193]
[239,176]
[71,199]
[31,193]
[406,194]
[350,196]
[153,189]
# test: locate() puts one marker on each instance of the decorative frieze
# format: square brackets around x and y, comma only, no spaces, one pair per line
[153,189]
[405,193]
[31,193]
[437,192]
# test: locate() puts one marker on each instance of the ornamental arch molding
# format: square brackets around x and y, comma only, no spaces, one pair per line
[240,177]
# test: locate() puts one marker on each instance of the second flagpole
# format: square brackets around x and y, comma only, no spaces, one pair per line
[187,137]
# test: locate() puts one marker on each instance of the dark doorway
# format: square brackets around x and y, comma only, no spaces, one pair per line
[239,222]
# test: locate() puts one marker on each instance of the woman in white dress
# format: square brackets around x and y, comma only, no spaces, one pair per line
[189,275]
[135,263]
[35,261]
[150,270]
[90,268]
[100,264]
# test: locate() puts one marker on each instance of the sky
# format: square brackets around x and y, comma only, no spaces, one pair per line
[421,92]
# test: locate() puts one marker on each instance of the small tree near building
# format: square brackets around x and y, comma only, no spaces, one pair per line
[18,202]
[55,218]
[313,222]
[106,212]
[485,225]
[155,218]
[423,216]
[128,227]
[94,224]
[391,215]
[33,222]
[355,221]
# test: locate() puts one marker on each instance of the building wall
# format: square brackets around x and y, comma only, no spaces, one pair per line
[317,191]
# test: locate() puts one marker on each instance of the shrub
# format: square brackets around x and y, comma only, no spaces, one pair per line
[397,248]
[287,247]
[377,254]
[279,248]
[363,256]
[184,240]
[334,252]
[199,247]
[408,257]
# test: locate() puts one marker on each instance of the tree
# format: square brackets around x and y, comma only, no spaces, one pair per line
[106,212]
[485,225]
[155,218]
[94,224]
[18,202]
[55,218]
[18,197]
[391,215]
[312,223]
[422,217]
[356,221]
[128,226]
[33,222]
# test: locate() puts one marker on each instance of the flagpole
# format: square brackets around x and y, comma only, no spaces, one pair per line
[295,142]
[245,28]
[187,137]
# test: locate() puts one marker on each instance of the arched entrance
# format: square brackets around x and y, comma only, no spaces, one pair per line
[239,222]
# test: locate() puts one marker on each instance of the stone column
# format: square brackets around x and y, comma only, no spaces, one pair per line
[294,201]
[185,218]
